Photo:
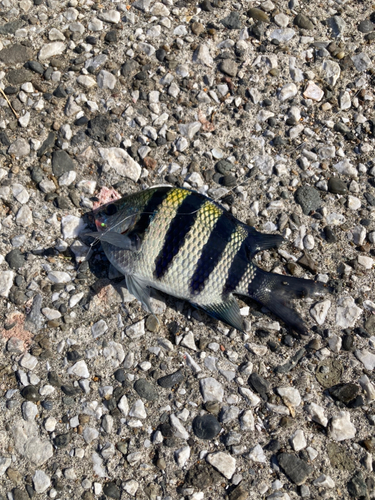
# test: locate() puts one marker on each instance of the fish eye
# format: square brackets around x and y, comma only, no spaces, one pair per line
[111,209]
[102,224]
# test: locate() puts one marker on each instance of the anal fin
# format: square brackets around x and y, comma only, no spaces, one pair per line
[140,289]
[226,311]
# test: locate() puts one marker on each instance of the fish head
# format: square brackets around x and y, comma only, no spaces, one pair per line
[118,216]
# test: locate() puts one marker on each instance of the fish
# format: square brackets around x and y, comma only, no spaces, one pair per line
[187,245]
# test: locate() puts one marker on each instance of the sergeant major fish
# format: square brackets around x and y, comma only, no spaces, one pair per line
[185,244]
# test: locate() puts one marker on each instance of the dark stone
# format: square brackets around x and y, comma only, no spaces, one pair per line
[259,384]
[206,427]
[60,92]
[36,67]
[54,379]
[111,36]
[303,22]
[83,120]
[4,140]
[98,127]
[366,26]
[15,259]
[274,445]
[19,76]
[62,202]
[341,127]
[206,6]
[233,21]
[166,430]
[289,365]
[339,457]
[10,90]
[30,393]
[36,174]
[160,54]
[47,405]
[308,263]
[239,493]
[337,186]
[309,199]
[92,40]
[202,476]
[15,54]
[344,392]
[357,487]
[62,440]
[329,234]
[19,494]
[228,180]
[130,68]
[47,144]
[146,390]
[120,375]
[296,470]
[258,15]
[61,163]
[73,356]
[70,390]
[224,166]
[112,490]
[348,342]
[370,198]
[169,381]
[11,27]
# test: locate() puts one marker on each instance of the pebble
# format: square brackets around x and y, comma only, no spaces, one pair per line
[341,427]
[41,481]
[223,462]
[347,312]
[320,310]
[211,390]
[313,92]
[206,427]
[296,469]
[121,162]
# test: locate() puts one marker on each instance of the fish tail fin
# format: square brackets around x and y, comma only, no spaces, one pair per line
[275,292]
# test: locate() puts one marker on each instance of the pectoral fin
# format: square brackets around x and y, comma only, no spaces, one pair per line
[123,241]
[140,289]
[226,311]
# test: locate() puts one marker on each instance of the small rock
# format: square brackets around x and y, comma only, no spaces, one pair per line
[313,92]
[41,481]
[206,427]
[223,462]
[296,469]
[341,428]
[211,389]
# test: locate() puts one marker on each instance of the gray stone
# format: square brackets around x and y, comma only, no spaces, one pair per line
[20,147]
[61,163]
[28,444]
[202,55]
[106,80]
[229,67]
[50,50]
[15,54]
[41,481]
[232,21]
[331,72]
[366,26]
[337,25]
[309,199]
[361,61]
[296,469]
[303,22]
[145,390]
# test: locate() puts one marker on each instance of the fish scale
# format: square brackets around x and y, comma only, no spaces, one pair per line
[182,243]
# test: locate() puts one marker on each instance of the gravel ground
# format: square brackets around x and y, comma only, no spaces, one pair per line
[267,107]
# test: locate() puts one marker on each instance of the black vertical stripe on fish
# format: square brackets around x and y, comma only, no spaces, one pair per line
[179,228]
[236,269]
[212,252]
[148,212]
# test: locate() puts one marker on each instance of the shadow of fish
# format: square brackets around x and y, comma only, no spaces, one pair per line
[185,244]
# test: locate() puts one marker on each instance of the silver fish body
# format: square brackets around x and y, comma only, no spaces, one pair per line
[183,243]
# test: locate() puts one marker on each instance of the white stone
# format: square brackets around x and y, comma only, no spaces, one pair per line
[182,455]
[347,312]
[59,277]
[71,226]
[110,16]
[358,235]
[317,414]
[331,71]
[179,429]
[334,343]
[290,396]
[123,405]
[50,50]
[89,434]
[346,168]
[313,92]
[79,369]
[320,310]
[188,341]
[47,186]
[341,428]
[131,487]
[202,56]
[121,162]
[257,454]
[366,357]
[28,361]
[6,282]
[41,481]
[249,395]
[368,388]
[247,421]
[138,410]
[211,390]
[366,262]
[24,217]
[99,328]
[223,462]
[51,314]
[4,464]
[29,410]
[50,424]
[86,81]
[136,331]
[24,120]
[287,92]
[298,440]
[106,80]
